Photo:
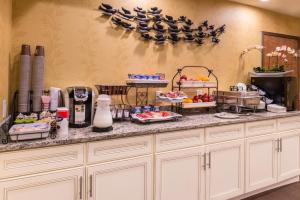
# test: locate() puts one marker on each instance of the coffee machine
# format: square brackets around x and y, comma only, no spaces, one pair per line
[80,101]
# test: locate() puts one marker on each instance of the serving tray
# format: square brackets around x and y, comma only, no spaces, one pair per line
[173,116]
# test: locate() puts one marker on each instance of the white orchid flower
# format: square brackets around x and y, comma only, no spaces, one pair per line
[278,49]
[293,51]
[259,47]
[284,48]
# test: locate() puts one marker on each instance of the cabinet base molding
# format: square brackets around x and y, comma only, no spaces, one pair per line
[281,184]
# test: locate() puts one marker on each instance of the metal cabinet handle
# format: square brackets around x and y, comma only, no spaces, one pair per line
[80,187]
[91,185]
[280,146]
[277,145]
[209,160]
[204,157]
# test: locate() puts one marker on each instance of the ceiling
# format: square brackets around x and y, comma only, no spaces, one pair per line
[288,7]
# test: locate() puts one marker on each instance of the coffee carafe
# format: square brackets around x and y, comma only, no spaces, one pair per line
[103,118]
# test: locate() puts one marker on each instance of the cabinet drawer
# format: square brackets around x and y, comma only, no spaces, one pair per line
[289,123]
[26,162]
[179,140]
[119,149]
[224,133]
[260,128]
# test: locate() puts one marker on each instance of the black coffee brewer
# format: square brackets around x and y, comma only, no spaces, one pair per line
[81,106]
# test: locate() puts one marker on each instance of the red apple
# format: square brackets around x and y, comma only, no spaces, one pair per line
[183,77]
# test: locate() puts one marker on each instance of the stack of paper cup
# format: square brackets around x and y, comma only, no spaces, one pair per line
[38,70]
[54,94]
[25,75]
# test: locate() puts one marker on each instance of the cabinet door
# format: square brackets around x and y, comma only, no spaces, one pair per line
[261,162]
[225,170]
[128,179]
[180,175]
[289,156]
[67,185]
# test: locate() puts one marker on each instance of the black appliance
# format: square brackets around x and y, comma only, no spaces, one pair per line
[81,106]
[283,90]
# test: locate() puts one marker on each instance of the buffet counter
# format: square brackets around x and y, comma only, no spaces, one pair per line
[199,157]
[128,129]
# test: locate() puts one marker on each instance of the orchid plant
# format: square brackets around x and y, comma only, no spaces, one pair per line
[284,54]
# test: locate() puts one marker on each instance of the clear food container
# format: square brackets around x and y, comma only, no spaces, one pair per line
[32,131]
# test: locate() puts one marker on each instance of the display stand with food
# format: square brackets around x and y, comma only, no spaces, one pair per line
[202,87]
[142,82]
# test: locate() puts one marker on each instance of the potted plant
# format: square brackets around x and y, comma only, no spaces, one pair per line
[278,60]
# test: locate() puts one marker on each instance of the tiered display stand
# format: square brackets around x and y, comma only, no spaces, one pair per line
[142,89]
[178,85]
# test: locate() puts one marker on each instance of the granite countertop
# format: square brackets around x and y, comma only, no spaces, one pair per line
[128,129]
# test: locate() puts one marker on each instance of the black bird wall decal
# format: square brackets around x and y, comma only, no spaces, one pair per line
[146,36]
[139,9]
[182,18]
[174,38]
[107,9]
[125,14]
[189,22]
[215,40]
[205,24]
[153,25]
[155,11]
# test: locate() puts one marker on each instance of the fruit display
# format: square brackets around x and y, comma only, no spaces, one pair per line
[199,78]
[188,100]
[176,96]
[203,86]
[200,98]
[200,81]
[203,78]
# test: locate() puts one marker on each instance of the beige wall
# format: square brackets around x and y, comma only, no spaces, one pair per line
[84,49]
[5,34]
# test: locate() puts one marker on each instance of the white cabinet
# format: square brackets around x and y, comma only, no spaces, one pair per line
[225,170]
[271,159]
[127,179]
[124,148]
[224,133]
[180,175]
[179,140]
[66,185]
[214,172]
[261,162]
[260,128]
[288,123]
[19,163]
[234,160]
[289,155]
